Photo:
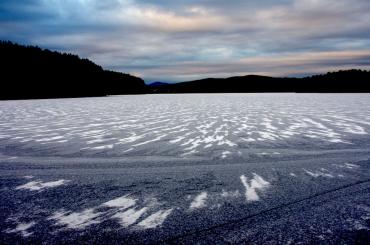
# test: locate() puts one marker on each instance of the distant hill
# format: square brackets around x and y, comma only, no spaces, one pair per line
[332,82]
[29,72]
[157,84]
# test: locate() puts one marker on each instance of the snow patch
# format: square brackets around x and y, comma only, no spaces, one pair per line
[199,201]
[39,185]
[152,140]
[76,220]
[131,139]
[129,216]
[102,147]
[50,139]
[155,219]
[22,228]
[121,202]
[225,154]
[267,136]
[249,140]
[317,174]
[257,183]
[230,194]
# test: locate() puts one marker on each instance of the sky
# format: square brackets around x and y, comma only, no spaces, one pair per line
[181,40]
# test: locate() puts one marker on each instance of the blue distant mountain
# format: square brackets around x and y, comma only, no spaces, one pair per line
[159,87]
[157,84]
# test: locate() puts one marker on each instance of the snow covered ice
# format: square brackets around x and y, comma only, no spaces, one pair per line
[213,168]
[182,125]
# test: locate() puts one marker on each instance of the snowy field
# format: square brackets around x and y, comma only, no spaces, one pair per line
[221,168]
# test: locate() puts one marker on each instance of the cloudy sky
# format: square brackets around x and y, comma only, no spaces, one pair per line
[179,40]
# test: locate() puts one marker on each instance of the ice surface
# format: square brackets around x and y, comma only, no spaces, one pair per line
[148,168]
[183,125]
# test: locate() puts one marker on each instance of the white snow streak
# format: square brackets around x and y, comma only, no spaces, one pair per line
[38,185]
[76,220]
[155,219]
[23,229]
[121,202]
[129,217]
[257,183]
[199,201]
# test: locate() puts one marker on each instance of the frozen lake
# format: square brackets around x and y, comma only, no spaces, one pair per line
[217,168]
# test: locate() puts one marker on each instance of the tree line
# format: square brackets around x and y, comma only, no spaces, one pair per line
[29,72]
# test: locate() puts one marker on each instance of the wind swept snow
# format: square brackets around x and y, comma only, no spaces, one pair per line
[155,219]
[322,173]
[130,216]
[181,125]
[75,220]
[145,169]
[22,228]
[199,201]
[38,185]
[121,202]
[257,183]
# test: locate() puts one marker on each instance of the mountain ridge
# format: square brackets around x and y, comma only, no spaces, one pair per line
[342,81]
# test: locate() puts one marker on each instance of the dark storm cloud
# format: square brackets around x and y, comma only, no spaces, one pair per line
[178,40]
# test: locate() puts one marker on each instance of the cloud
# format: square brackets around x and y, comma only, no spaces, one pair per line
[289,64]
[197,19]
[180,40]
